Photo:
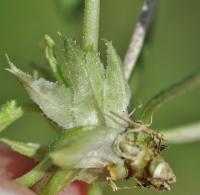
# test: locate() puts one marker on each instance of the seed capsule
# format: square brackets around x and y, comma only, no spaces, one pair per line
[161,174]
[142,160]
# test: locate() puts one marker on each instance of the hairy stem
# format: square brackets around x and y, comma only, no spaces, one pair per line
[138,37]
[183,134]
[60,180]
[33,176]
[95,189]
[91,24]
[170,93]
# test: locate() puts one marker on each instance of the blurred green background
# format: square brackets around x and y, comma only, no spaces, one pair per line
[172,54]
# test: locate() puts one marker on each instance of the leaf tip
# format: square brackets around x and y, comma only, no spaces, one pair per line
[10,63]
[60,34]
[50,42]
[107,43]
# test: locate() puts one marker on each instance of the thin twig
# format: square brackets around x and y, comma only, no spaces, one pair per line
[139,34]
[184,134]
[170,93]
[95,189]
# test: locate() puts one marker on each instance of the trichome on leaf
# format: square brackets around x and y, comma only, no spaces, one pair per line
[89,103]
[86,103]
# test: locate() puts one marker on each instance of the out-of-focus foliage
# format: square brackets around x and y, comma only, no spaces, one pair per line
[69,9]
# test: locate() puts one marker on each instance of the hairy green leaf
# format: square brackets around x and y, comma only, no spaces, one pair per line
[117,92]
[70,136]
[96,76]
[93,150]
[9,113]
[86,76]
[57,101]
[92,94]
[53,99]
[53,62]
[32,150]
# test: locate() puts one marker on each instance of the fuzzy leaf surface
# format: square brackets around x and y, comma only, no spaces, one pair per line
[9,113]
[93,150]
[117,92]
[53,99]
[93,91]
[57,102]
[53,62]
[86,77]
[31,150]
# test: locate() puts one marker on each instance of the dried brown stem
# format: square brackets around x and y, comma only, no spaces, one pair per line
[184,134]
[139,34]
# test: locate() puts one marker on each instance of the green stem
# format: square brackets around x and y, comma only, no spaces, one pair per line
[170,93]
[33,176]
[95,189]
[59,181]
[91,24]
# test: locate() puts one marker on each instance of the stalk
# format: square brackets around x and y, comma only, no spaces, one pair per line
[91,24]
[139,34]
[59,181]
[33,176]
[183,134]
